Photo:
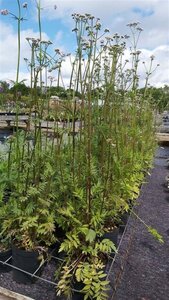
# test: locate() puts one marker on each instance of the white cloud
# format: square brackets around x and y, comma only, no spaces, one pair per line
[154,39]
[58,41]
[158,78]
[116,14]
[152,14]
[160,66]
[8,51]
[161,76]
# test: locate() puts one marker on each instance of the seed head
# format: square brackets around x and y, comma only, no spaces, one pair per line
[88,15]
[134,24]
[152,57]
[57,51]
[4,12]
[75,29]
[25,5]
[139,29]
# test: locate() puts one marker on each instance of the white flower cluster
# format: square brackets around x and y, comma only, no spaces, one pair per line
[4,12]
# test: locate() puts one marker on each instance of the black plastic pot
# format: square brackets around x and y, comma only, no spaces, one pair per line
[6,195]
[112,236]
[4,256]
[59,232]
[27,261]
[124,220]
[54,250]
[78,295]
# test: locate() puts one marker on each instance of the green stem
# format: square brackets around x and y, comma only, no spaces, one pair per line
[19,40]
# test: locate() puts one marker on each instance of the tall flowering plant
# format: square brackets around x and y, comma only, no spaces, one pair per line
[19,18]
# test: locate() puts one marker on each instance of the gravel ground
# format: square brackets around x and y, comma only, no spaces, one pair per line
[39,290]
[140,271]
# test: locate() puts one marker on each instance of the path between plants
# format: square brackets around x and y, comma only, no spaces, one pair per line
[141,268]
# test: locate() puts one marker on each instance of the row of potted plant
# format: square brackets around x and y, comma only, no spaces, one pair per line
[88,174]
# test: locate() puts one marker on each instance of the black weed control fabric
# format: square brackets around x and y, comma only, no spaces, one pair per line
[141,269]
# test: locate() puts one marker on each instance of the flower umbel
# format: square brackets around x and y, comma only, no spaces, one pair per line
[4,12]
[25,5]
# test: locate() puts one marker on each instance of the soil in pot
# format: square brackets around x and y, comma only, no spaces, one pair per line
[5,255]
[28,261]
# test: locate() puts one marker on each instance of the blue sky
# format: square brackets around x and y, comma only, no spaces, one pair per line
[57,26]
[143,12]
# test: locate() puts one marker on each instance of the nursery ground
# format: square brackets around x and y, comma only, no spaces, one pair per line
[140,271]
[141,268]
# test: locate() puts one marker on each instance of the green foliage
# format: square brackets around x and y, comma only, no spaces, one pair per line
[20,87]
[4,85]
[28,217]
[107,160]
[85,263]
[30,222]
[155,234]
[85,176]
[93,278]
[159,97]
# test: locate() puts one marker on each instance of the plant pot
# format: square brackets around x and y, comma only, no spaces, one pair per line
[5,255]
[27,261]
[112,236]
[78,295]
[54,250]
[6,195]
[124,220]
[59,232]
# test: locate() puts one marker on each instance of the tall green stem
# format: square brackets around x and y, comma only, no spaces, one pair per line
[19,41]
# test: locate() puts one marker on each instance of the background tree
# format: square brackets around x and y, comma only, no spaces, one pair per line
[21,88]
[4,86]
[159,97]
